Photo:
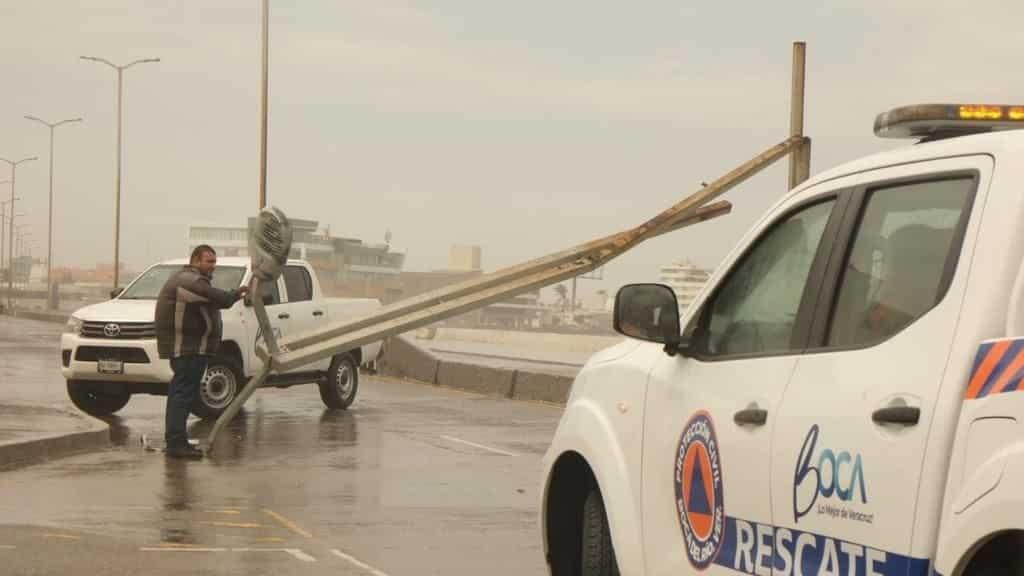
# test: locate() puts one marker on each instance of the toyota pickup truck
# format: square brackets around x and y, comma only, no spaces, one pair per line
[109,352]
[845,396]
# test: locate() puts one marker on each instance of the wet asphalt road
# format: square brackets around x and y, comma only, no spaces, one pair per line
[411,480]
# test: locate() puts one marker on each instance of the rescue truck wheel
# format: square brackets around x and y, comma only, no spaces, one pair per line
[338,391]
[598,556]
[92,399]
[219,386]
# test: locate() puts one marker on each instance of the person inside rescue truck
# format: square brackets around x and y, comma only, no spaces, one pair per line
[894,274]
[904,295]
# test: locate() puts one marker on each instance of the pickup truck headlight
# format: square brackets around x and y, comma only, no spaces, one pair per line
[74,326]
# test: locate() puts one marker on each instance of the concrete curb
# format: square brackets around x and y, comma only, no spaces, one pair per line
[404,360]
[21,453]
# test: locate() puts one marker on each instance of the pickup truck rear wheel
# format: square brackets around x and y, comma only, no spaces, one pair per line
[218,387]
[339,390]
[90,398]
[598,556]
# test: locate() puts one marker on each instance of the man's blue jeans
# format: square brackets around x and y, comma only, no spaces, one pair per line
[181,394]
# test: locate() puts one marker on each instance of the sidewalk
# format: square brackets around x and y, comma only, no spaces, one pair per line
[36,421]
[31,434]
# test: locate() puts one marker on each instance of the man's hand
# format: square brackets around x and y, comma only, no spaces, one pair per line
[243,291]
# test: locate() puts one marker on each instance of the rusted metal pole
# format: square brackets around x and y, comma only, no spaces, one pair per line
[301,349]
[800,159]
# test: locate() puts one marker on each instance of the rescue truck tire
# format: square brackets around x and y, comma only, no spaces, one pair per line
[598,556]
[92,399]
[338,390]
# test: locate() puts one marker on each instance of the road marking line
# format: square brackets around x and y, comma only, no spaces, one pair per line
[225,511]
[287,523]
[63,536]
[481,446]
[181,549]
[270,539]
[232,524]
[7,547]
[358,563]
[295,552]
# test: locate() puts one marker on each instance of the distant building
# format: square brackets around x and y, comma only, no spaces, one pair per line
[464,258]
[339,262]
[686,279]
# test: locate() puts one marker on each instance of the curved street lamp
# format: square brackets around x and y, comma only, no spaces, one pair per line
[117,208]
[10,238]
[49,232]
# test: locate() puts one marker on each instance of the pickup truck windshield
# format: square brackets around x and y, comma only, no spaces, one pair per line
[147,286]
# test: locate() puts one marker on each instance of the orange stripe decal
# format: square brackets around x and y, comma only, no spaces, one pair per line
[1007,376]
[985,370]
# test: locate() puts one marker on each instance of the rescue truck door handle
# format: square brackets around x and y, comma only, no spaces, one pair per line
[755,416]
[906,415]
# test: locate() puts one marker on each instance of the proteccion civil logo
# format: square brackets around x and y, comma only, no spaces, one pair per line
[700,501]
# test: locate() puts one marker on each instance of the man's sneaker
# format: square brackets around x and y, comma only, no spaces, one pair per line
[187,452]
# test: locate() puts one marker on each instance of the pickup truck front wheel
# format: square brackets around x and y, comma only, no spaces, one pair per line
[90,398]
[339,389]
[218,387]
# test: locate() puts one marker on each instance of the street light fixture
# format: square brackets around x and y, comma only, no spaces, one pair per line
[117,208]
[49,233]
[10,248]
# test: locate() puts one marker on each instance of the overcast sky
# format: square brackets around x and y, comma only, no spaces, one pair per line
[524,127]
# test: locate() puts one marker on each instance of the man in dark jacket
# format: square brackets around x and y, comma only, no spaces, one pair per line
[188,332]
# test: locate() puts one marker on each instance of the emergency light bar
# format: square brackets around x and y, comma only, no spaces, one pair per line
[936,121]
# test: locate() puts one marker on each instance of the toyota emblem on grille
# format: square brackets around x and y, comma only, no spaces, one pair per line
[112,330]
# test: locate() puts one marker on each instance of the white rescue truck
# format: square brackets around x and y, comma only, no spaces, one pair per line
[108,350]
[842,398]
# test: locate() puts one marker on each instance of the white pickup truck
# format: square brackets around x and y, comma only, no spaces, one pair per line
[846,395]
[109,352]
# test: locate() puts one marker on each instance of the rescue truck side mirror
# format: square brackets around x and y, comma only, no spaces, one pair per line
[648,312]
[116,292]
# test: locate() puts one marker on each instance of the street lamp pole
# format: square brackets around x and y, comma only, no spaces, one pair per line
[49,231]
[117,208]
[10,238]
[3,224]
[263,104]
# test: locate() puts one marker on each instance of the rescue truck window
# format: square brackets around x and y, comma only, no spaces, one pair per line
[298,284]
[754,311]
[894,271]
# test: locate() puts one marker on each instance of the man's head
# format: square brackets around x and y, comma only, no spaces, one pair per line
[204,257]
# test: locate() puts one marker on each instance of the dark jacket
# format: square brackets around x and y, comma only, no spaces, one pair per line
[188,315]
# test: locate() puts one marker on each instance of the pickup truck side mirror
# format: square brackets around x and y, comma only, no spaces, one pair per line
[116,292]
[648,312]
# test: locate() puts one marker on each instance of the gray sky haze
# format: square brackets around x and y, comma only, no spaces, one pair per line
[524,127]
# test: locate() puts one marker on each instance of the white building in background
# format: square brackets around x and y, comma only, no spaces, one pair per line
[686,279]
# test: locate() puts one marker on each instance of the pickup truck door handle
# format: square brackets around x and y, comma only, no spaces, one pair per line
[754,416]
[906,415]
[284,315]
[318,312]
